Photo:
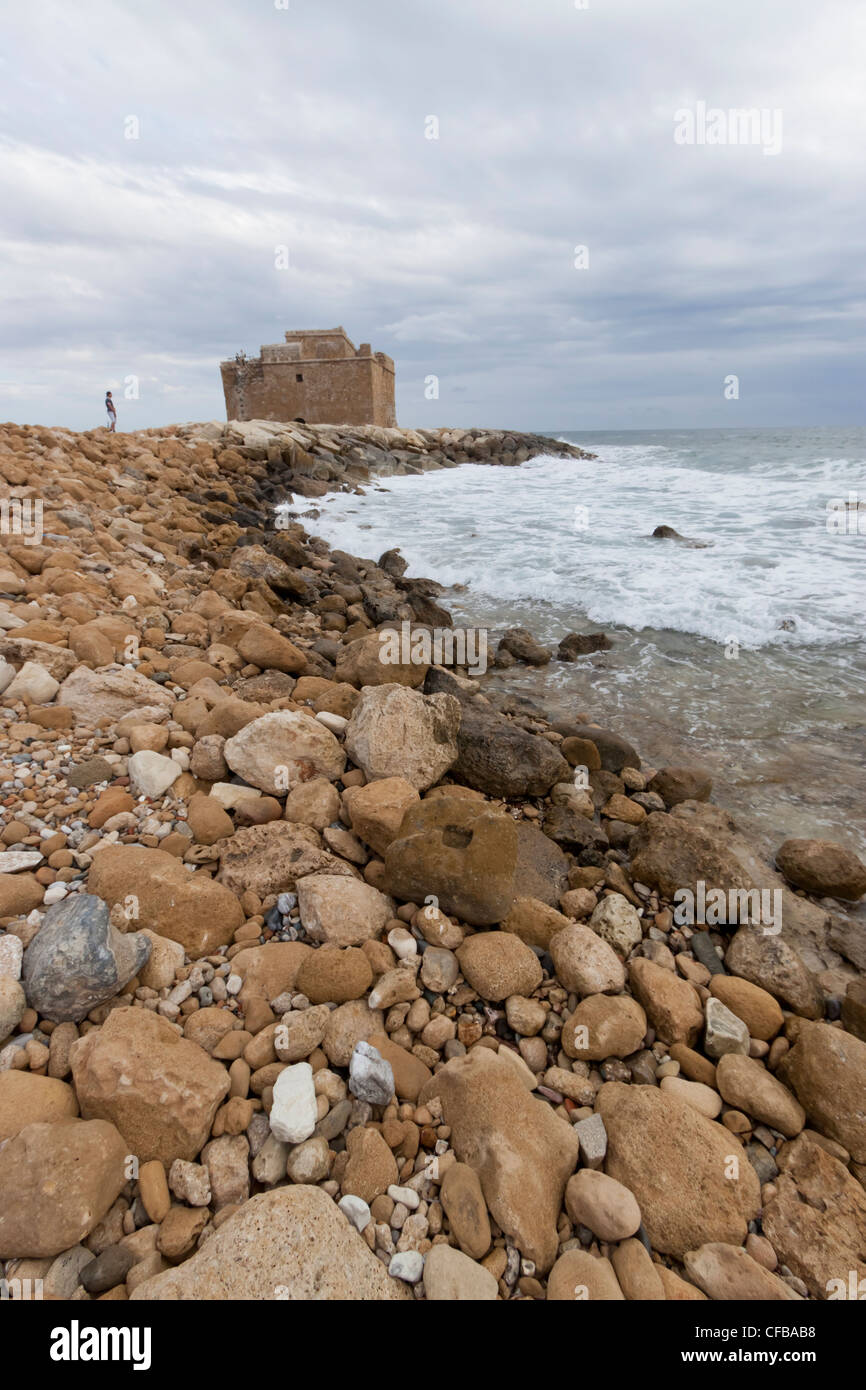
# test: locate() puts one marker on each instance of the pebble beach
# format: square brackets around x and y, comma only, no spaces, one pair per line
[328,974]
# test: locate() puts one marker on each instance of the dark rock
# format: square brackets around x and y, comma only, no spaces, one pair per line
[676,784]
[615,752]
[501,760]
[576,644]
[566,827]
[78,960]
[542,868]
[392,563]
[88,773]
[702,948]
[521,644]
[109,1269]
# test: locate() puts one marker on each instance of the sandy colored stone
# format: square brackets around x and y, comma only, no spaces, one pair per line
[615,1027]
[333,975]
[96,695]
[755,1006]
[522,1152]
[826,1069]
[315,803]
[534,922]
[672,1005]
[635,1272]
[584,963]
[579,1276]
[27,1099]
[376,810]
[281,749]
[163,896]
[371,1169]
[57,1181]
[450,1276]
[599,1202]
[497,964]
[270,970]
[676,1163]
[160,1090]
[463,1202]
[273,858]
[19,894]
[410,1073]
[459,852]
[348,1024]
[727,1272]
[816,1221]
[292,1243]
[748,1086]
[342,911]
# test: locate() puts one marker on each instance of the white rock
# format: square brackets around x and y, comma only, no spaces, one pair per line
[355,1209]
[14,860]
[151,774]
[278,750]
[11,956]
[407,1195]
[725,1032]
[55,893]
[617,923]
[397,732]
[228,794]
[294,1113]
[402,943]
[33,685]
[408,1265]
[335,722]
[370,1076]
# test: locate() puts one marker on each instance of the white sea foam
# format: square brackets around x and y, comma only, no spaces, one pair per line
[514,535]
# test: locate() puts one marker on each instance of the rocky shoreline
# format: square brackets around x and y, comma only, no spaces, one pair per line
[328,976]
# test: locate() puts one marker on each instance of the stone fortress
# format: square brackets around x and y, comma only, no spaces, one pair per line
[316,376]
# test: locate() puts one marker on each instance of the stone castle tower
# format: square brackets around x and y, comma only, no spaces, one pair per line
[317,376]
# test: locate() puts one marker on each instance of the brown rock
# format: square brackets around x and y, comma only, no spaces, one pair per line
[376,811]
[816,1221]
[19,894]
[672,1005]
[823,868]
[463,1203]
[410,1073]
[350,1023]
[27,1099]
[758,1009]
[602,1204]
[270,970]
[160,1090]
[584,963]
[265,859]
[459,852]
[522,1152]
[372,1168]
[452,1277]
[772,964]
[166,898]
[579,1276]
[728,1272]
[57,1181]
[826,1068]
[535,922]
[497,964]
[332,975]
[603,1026]
[691,1178]
[748,1086]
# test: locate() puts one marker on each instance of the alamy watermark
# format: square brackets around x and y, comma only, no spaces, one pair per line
[713,125]
[438,646]
[22,516]
[714,907]
[846,516]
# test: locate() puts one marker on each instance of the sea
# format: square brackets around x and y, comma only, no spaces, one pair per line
[740,648]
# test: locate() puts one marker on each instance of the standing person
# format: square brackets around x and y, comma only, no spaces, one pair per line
[112,413]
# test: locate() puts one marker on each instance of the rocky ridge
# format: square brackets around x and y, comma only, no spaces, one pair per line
[296,943]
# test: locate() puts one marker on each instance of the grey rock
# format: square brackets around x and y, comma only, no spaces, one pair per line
[109,1269]
[78,960]
[724,1031]
[702,948]
[370,1076]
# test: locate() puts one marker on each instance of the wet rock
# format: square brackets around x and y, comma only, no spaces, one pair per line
[523,647]
[576,644]
[500,759]
[676,784]
[823,868]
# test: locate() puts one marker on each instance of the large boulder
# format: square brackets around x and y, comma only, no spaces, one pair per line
[523,1153]
[826,1068]
[501,759]
[614,751]
[157,892]
[459,851]
[159,1089]
[293,1243]
[283,748]
[823,867]
[57,1181]
[78,960]
[691,1177]
[816,1221]
[397,732]
[272,858]
[773,965]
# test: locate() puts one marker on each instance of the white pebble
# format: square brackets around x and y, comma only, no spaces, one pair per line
[55,893]
[355,1209]
[407,1195]
[408,1266]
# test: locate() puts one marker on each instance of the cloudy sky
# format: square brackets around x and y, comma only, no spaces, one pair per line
[156,158]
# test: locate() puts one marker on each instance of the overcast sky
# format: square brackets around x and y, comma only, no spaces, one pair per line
[306,127]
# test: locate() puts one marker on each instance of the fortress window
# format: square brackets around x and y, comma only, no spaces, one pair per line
[299,376]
